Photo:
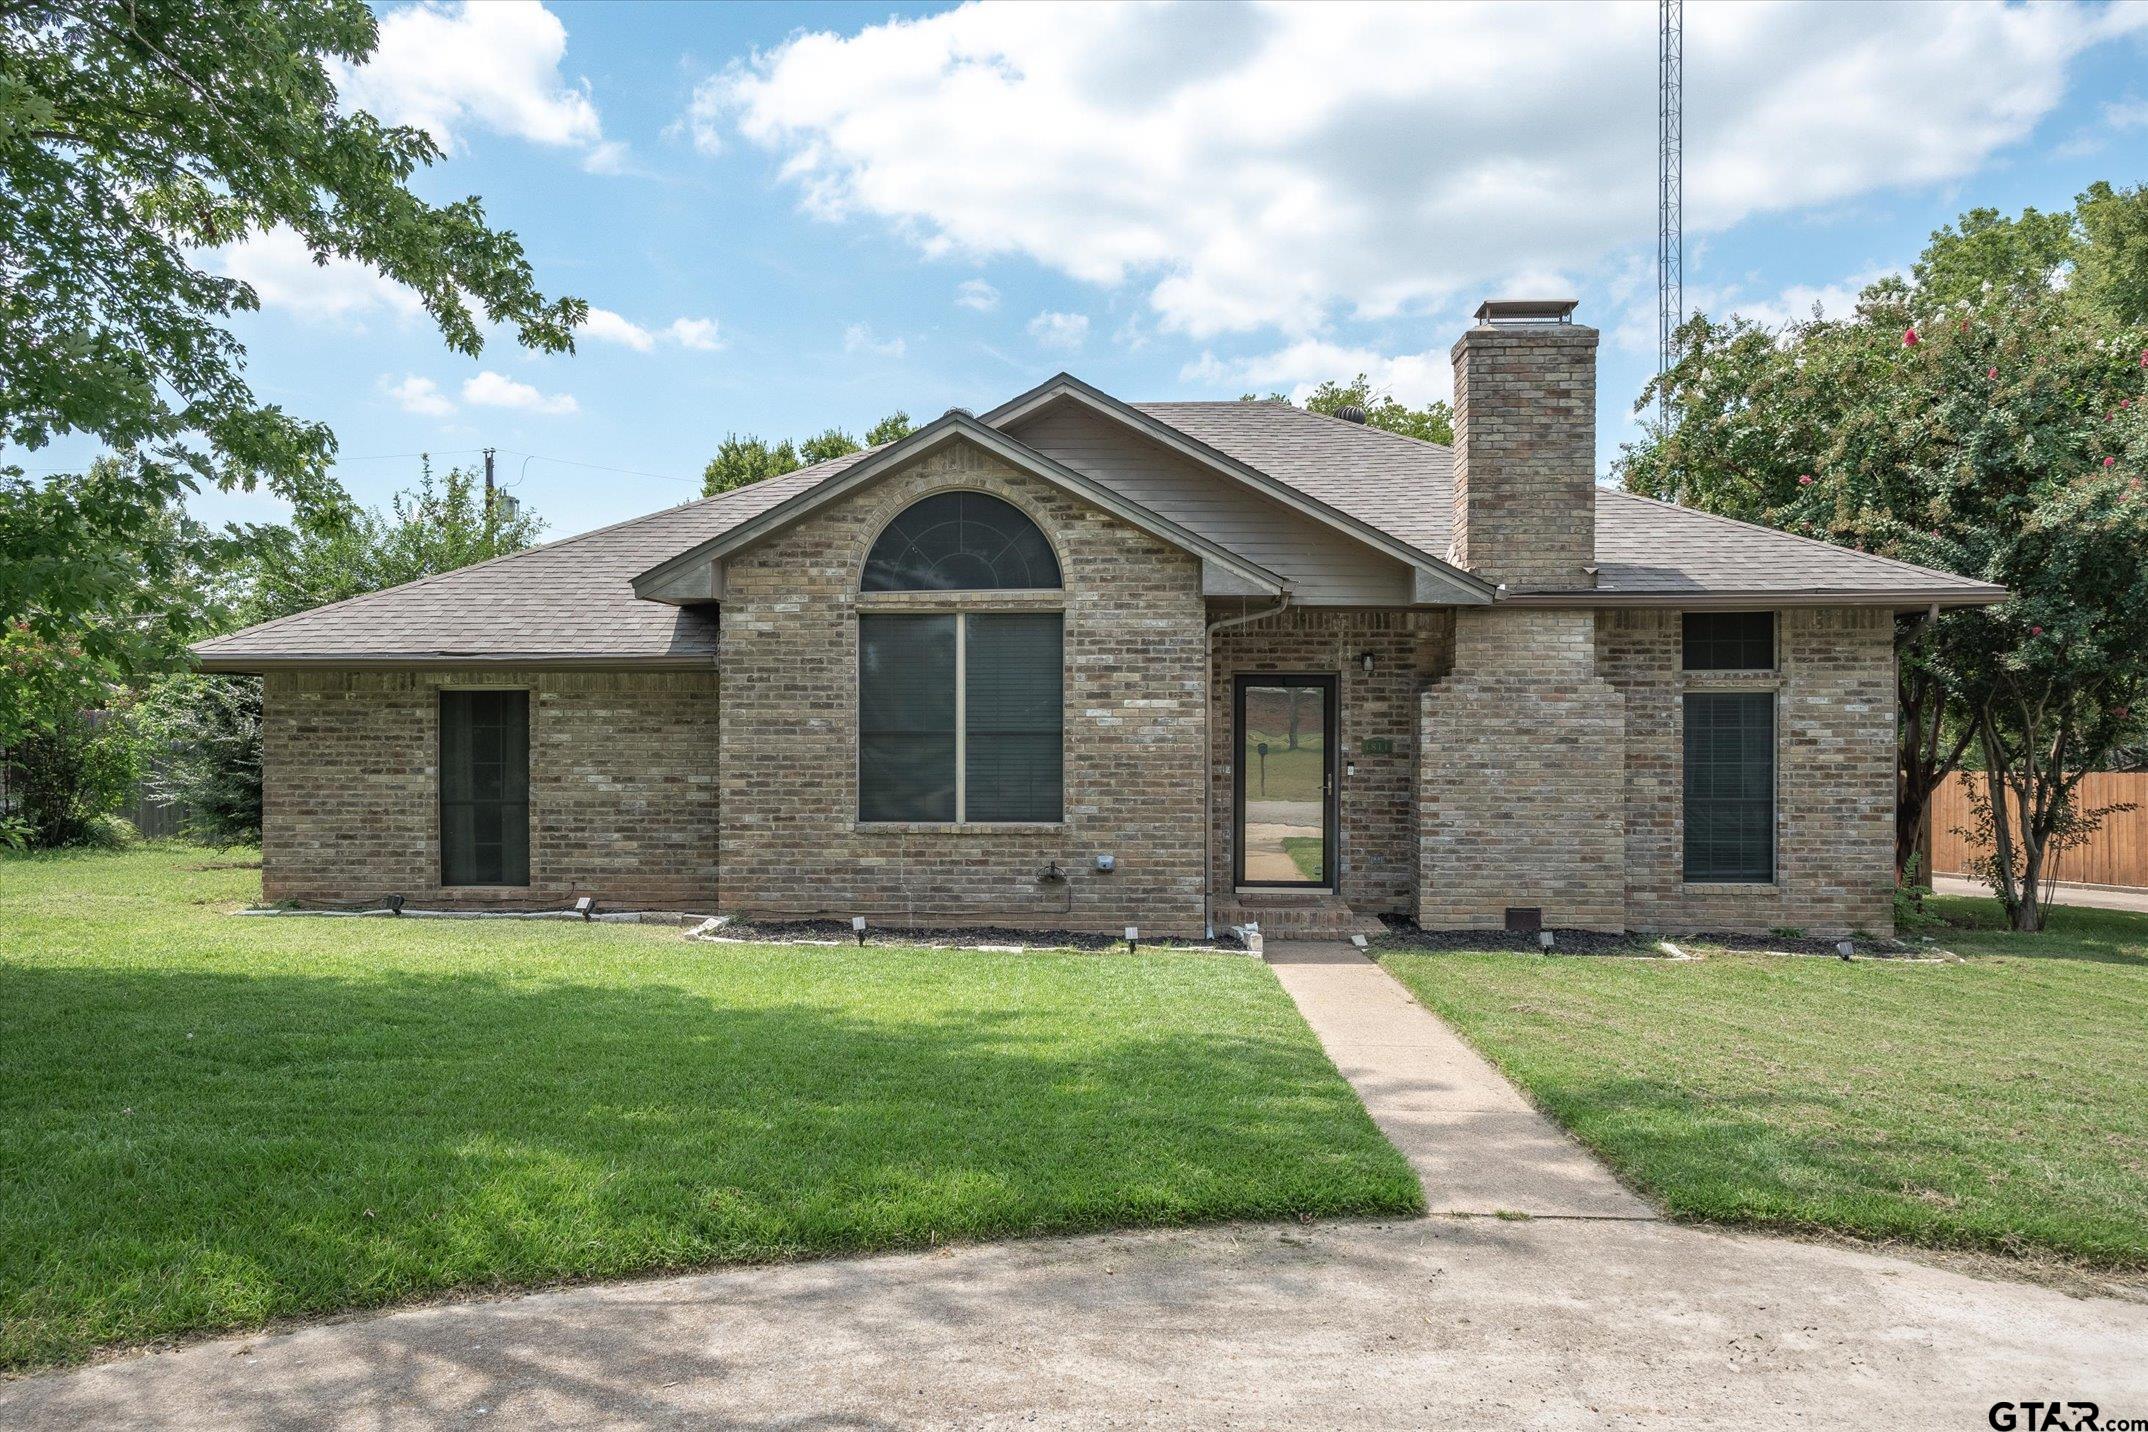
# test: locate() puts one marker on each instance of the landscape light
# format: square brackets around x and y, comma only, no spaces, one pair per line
[857,927]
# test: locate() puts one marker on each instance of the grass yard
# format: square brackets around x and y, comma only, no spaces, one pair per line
[208,1122]
[2000,1104]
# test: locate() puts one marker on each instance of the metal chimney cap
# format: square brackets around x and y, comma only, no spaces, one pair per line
[1527,310]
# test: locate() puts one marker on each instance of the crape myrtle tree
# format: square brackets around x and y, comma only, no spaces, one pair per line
[1972,417]
[135,137]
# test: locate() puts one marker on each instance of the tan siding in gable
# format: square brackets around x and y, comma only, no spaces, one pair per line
[1323,566]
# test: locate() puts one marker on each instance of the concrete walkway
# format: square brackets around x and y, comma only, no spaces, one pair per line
[2093,897]
[1478,1146]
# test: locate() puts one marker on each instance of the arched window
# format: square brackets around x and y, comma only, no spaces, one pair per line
[961,713]
[960,542]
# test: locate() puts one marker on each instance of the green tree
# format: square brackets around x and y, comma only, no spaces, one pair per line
[1432,423]
[1960,428]
[740,461]
[434,527]
[156,574]
[2111,272]
[821,447]
[890,429]
[134,134]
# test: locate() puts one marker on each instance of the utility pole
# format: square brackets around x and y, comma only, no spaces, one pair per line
[1670,188]
[488,482]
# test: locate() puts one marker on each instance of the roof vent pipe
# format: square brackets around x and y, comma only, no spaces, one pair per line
[1350,413]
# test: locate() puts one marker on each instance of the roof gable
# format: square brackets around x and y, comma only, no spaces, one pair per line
[695,575]
[1435,579]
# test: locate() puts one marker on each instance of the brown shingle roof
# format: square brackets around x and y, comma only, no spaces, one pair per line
[1644,548]
[572,600]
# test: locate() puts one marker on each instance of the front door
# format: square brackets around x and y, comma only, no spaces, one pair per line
[1285,782]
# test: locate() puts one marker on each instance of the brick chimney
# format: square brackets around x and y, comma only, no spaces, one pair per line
[1525,446]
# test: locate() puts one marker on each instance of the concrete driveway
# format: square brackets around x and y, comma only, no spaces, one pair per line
[1540,1294]
[1544,1323]
[2094,897]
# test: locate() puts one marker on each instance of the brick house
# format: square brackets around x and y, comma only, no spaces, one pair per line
[1082,663]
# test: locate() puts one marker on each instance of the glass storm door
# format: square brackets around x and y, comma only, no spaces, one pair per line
[1285,781]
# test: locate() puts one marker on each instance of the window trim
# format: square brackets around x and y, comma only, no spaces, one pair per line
[439,803]
[983,604]
[1773,691]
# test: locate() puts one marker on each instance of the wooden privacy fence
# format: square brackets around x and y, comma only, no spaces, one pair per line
[2117,854]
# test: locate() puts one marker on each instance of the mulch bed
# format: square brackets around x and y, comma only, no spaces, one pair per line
[1403,935]
[966,937]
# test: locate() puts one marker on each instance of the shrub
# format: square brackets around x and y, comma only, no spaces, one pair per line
[207,733]
[71,769]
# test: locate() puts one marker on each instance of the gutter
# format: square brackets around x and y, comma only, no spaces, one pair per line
[1907,599]
[1208,752]
[238,663]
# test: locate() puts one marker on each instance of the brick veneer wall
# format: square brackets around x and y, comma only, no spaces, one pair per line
[1378,859]
[1525,454]
[1520,777]
[1835,772]
[622,787]
[791,843]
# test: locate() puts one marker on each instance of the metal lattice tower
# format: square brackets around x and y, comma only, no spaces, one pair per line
[1670,185]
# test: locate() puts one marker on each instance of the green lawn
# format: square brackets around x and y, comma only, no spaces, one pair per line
[206,1121]
[2000,1104]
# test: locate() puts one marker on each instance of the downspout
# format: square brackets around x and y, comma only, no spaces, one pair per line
[1208,752]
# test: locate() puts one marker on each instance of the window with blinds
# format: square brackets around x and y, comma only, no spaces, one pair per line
[1730,787]
[1729,641]
[961,717]
[484,788]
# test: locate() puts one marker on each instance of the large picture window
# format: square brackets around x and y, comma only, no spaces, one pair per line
[960,716]
[1730,786]
[484,788]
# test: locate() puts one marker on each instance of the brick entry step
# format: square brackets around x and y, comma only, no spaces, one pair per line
[1285,916]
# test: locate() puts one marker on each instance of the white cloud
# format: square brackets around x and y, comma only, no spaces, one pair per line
[1279,166]
[496,390]
[698,333]
[976,293]
[1060,330]
[495,66]
[858,338]
[285,276]
[1298,368]
[2127,113]
[609,327]
[419,395]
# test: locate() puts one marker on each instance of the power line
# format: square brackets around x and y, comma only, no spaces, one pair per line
[530,457]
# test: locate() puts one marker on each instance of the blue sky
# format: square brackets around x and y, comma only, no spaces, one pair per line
[809,215]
